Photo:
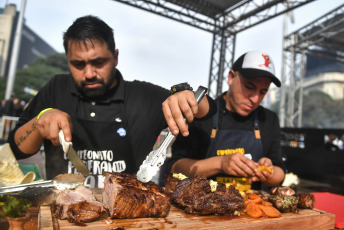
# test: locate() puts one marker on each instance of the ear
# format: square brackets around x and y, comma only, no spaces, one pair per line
[231,75]
[116,56]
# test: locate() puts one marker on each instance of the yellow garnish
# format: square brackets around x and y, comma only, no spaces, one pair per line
[179,176]
[213,185]
[262,168]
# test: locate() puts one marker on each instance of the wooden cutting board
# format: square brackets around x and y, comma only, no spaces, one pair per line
[176,219]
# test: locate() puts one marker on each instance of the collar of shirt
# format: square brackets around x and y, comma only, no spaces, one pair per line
[115,94]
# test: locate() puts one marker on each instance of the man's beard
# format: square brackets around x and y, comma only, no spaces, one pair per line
[96,92]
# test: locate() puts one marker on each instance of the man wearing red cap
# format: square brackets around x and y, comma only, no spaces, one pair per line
[240,144]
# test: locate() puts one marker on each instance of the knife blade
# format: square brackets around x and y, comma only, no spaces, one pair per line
[156,158]
[73,156]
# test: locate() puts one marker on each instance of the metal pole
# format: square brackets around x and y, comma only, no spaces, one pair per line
[15,52]
[283,74]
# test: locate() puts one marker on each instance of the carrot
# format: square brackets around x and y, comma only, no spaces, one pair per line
[253,210]
[255,198]
[269,211]
[252,196]
[267,203]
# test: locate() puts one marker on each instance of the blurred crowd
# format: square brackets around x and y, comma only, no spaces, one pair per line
[12,107]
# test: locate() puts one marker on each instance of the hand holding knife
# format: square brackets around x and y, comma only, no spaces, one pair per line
[156,158]
[72,155]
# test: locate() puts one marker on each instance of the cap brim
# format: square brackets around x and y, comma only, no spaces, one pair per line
[254,73]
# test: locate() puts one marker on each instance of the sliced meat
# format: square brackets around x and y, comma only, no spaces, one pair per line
[126,197]
[195,196]
[84,212]
[69,203]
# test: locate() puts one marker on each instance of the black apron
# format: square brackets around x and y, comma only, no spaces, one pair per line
[104,147]
[225,142]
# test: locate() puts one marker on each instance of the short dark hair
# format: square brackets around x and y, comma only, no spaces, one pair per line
[88,28]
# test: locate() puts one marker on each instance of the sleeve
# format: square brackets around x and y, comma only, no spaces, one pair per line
[194,146]
[212,109]
[37,104]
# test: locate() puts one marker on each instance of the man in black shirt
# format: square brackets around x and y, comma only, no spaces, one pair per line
[112,123]
[241,136]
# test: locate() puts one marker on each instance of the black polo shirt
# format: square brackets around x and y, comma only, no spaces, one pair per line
[142,102]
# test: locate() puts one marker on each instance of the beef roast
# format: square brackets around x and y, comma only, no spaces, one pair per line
[78,206]
[194,195]
[126,197]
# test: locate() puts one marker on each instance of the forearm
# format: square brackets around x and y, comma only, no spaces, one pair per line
[190,167]
[276,178]
[203,108]
[28,138]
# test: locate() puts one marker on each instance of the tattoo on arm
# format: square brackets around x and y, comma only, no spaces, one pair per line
[28,133]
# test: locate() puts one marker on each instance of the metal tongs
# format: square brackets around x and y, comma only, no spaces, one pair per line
[155,159]
[60,182]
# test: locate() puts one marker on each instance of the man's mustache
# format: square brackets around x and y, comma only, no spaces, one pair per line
[92,80]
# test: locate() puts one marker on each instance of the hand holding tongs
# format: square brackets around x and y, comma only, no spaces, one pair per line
[156,158]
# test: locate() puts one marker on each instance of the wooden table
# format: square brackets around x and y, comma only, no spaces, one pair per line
[176,219]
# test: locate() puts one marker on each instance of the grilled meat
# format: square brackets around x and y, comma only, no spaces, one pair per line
[84,212]
[306,200]
[126,197]
[170,183]
[78,206]
[282,191]
[195,196]
[284,203]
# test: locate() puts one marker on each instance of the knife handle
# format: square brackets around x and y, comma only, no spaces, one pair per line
[63,142]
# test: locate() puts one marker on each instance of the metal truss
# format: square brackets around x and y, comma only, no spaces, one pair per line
[223,23]
[222,54]
[322,38]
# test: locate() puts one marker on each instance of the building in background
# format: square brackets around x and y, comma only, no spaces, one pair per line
[31,45]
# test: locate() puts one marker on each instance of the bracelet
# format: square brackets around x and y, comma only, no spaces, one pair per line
[180,87]
[43,111]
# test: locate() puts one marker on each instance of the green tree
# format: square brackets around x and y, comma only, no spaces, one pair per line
[319,111]
[36,75]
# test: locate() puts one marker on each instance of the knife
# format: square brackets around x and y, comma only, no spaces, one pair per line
[73,156]
[156,158]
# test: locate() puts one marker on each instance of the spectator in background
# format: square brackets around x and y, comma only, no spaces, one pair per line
[9,107]
[2,107]
[329,145]
[18,107]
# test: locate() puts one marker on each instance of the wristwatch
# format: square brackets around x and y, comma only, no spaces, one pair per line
[180,87]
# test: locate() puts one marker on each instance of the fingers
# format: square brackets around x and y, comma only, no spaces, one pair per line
[50,123]
[238,165]
[176,107]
